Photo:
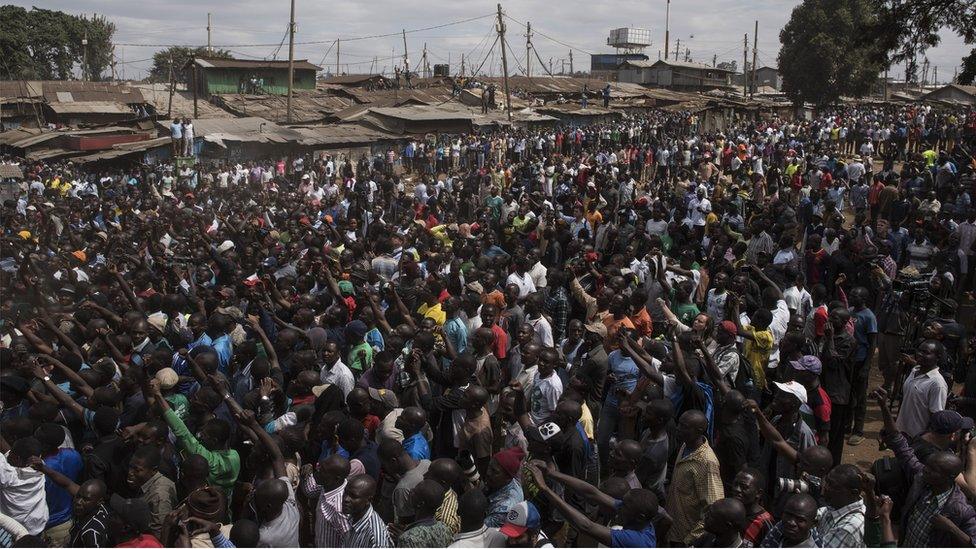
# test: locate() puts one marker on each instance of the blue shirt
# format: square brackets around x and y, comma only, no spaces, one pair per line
[416,445]
[222,345]
[634,538]
[60,504]
[865,324]
[625,373]
[457,332]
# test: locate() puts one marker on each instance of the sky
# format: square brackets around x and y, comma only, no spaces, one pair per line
[253,29]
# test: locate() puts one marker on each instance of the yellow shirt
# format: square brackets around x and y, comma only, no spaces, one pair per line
[435,312]
[586,419]
[757,353]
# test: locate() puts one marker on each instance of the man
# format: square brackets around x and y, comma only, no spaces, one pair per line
[945,430]
[841,522]
[696,482]
[523,527]
[366,528]
[22,492]
[546,387]
[425,530]
[157,491]
[407,472]
[411,422]
[473,508]
[924,391]
[935,512]
[328,482]
[334,370]
[502,484]
[447,472]
[866,335]
[724,521]
[68,462]
[796,529]
[634,514]
[129,523]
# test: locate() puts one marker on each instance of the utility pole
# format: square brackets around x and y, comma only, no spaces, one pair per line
[755,38]
[677,49]
[935,76]
[337,57]
[114,76]
[172,86]
[667,30]
[291,60]
[687,54]
[885,92]
[528,48]
[84,58]
[501,38]
[462,65]
[550,66]
[570,62]
[195,112]
[423,61]
[209,47]
[745,69]
[406,59]
[714,60]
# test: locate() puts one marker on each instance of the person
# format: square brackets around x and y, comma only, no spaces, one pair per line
[157,491]
[425,530]
[502,485]
[366,528]
[523,527]
[176,137]
[68,462]
[924,390]
[129,523]
[866,335]
[23,495]
[723,522]
[473,508]
[696,482]
[407,473]
[747,487]
[797,527]
[935,512]
[840,523]
[328,482]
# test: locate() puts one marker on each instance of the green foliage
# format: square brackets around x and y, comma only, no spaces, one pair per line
[47,45]
[820,59]
[902,29]
[180,58]
[968,73]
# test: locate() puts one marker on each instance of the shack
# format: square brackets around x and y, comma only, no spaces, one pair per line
[216,76]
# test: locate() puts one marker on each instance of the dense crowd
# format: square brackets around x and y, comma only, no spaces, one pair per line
[631,334]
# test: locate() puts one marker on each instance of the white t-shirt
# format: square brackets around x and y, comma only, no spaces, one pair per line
[543,397]
[799,300]
[22,495]
[543,330]
[524,283]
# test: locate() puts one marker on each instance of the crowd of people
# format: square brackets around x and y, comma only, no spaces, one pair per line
[631,334]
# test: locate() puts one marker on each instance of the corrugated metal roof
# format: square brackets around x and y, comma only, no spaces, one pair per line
[352,79]
[423,112]
[689,65]
[11,171]
[71,91]
[307,107]
[123,149]
[157,95]
[300,64]
[91,108]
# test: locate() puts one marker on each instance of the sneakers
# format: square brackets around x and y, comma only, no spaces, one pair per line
[855,440]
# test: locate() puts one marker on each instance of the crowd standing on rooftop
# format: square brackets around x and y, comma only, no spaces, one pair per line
[629,334]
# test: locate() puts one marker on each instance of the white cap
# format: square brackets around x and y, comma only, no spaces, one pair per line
[224,246]
[795,389]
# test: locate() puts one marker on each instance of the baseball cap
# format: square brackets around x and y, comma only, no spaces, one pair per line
[808,363]
[794,388]
[598,328]
[384,397]
[946,422]
[134,511]
[167,378]
[523,516]
[729,327]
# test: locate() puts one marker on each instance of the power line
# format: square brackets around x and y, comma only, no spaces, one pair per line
[556,40]
[271,45]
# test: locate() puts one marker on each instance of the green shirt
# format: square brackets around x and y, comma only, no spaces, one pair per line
[360,364]
[225,465]
[686,312]
[179,403]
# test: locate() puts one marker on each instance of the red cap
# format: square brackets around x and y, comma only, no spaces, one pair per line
[729,327]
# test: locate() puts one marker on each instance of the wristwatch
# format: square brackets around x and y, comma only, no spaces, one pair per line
[46,378]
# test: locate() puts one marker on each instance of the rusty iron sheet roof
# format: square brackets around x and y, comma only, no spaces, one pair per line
[91,108]
[307,107]
[11,171]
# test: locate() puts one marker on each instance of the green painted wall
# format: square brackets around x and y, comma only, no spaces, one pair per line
[232,80]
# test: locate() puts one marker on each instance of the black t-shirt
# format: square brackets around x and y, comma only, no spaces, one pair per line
[736,445]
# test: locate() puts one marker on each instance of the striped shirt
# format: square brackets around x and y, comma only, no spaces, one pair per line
[93,532]
[330,524]
[448,512]
[368,531]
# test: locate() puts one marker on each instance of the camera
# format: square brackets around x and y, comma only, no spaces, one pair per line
[795,485]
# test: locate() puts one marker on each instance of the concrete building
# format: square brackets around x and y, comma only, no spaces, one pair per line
[216,76]
[675,75]
[766,77]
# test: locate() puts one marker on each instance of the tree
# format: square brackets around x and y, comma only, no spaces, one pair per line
[968,73]
[903,29]
[820,59]
[180,57]
[46,45]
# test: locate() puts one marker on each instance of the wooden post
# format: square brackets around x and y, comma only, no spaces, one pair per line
[195,112]
[291,60]
[745,59]
[172,87]
[755,49]
[501,38]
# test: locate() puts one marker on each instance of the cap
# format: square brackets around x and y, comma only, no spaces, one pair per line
[386,397]
[729,327]
[510,459]
[224,246]
[794,388]
[80,255]
[523,516]
[356,328]
[597,328]
[808,363]
[158,320]
[346,288]
[167,378]
[134,511]
[946,422]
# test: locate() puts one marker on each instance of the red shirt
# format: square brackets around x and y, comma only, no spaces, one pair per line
[145,540]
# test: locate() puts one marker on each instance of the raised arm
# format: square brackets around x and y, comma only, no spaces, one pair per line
[246,418]
[712,369]
[769,432]
[269,349]
[75,379]
[578,485]
[598,531]
[762,276]
[61,480]
[55,391]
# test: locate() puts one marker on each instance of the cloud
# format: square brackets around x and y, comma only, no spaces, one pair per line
[708,28]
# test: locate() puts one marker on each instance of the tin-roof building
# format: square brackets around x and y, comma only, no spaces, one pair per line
[216,76]
[675,75]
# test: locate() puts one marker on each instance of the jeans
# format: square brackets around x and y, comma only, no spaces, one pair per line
[840,419]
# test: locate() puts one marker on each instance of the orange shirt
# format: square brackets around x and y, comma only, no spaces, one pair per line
[642,322]
[613,326]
